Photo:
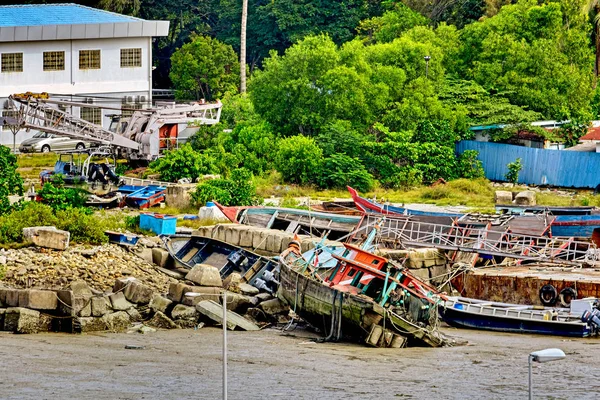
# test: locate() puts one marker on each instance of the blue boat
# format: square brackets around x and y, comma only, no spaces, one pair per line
[462,312]
[575,225]
[146,197]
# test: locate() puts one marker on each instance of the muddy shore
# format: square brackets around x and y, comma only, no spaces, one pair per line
[187,364]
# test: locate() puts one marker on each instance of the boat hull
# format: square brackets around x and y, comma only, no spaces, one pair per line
[575,225]
[464,319]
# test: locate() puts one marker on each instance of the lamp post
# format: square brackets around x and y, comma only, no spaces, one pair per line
[224,345]
[543,356]
[427,58]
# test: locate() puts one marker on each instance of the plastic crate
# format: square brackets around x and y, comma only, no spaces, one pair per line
[158,223]
[122,238]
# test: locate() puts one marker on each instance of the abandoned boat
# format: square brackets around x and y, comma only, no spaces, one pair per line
[464,312]
[256,270]
[293,220]
[363,297]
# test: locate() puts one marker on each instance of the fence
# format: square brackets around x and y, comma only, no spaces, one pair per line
[540,166]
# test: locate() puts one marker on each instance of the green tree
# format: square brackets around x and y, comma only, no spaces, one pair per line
[340,170]
[184,162]
[204,68]
[10,180]
[238,190]
[298,159]
[391,25]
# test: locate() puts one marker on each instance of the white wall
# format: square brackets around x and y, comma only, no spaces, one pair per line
[110,78]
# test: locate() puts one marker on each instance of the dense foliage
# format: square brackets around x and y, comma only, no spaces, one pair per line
[10,180]
[61,198]
[237,190]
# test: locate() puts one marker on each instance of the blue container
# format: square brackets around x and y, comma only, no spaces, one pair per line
[122,238]
[158,223]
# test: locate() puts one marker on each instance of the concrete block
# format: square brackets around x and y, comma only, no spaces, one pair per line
[90,324]
[274,242]
[161,257]
[117,321]
[247,289]
[232,279]
[438,274]
[192,298]
[145,254]
[273,307]
[503,197]
[21,320]
[238,302]
[139,293]
[100,306]
[11,297]
[159,303]
[219,232]
[526,198]
[204,275]
[81,289]
[71,305]
[232,235]
[38,299]
[176,291]
[119,302]
[134,314]
[47,236]
[259,239]
[185,316]
[179,195]
[421,273]
[246,238]
[160,320]
[204,231]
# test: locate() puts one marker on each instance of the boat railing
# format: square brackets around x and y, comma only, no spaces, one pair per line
[412,233]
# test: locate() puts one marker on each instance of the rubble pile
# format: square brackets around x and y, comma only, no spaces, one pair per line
[98,266]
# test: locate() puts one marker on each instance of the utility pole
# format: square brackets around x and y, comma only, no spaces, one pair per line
[243,47]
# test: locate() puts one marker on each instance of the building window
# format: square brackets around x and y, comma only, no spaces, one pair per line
[54,61]
[127,109]
[131,58]
[12,62]
[92,114]
[89,59]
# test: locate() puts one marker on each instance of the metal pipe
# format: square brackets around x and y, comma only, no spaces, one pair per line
[224,345]
[530,385]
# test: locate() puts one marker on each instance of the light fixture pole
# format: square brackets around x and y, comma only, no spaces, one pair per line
[427,58]
[543,356]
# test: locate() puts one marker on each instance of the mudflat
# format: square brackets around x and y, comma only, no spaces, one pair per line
[186,364]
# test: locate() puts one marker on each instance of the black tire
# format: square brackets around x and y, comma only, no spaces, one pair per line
[80,146]
[548,295]
[566,296]
[45,149]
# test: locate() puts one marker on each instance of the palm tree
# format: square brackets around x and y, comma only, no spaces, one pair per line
[243,47]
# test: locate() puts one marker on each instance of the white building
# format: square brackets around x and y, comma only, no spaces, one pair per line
[76,53]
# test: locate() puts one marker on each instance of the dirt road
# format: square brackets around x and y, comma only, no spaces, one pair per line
[186,364]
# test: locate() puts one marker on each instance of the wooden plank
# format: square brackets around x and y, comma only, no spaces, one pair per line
[214,311]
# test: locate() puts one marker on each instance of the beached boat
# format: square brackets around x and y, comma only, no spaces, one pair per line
[146,197]
[363,297]
[293,220]
[256,270]
[374,207]
[464,312]
[337,207]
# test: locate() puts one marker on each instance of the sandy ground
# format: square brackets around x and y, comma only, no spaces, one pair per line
[187,364]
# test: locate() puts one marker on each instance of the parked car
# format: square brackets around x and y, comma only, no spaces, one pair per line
[47,142]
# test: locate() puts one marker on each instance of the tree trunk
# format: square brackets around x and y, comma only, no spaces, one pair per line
[243,47]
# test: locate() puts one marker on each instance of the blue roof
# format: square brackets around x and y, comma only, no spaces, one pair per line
[57,14]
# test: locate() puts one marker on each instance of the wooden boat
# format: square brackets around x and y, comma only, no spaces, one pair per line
[146,197]
[358,300]
[293,220]
[581,226]
[519,209]
[337,207]
[374,207]
[464,312]
[256,270]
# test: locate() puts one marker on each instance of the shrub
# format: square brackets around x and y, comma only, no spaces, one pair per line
[31,214]
[340,170]
[10,180]
[513,171]
[238,190]
[298,159]
[83,225]
[469,166]
[184,162]
[61,198]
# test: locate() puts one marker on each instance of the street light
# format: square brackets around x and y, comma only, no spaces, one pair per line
[543,356]
[427,58]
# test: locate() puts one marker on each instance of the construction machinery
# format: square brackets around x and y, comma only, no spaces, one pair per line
[141,136]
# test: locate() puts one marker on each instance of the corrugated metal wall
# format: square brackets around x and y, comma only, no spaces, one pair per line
[540,167]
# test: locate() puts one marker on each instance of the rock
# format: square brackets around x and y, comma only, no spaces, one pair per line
[256,314]
[161,257]
[273,307]
[143,329]
[117,321]
[160,304]
[38,299]
[263,297]
[90,324]
[134,314]
[503,197]
[232,280]
[176,291]
[160,320]
[247,289]
[21,320]
[238,302]
[184,316]
[71,305]
[81,289]
[47,236]
[204,275]
[145,254]
[526,198]
[119,303]
[100,306]
[134,290]
[2,260]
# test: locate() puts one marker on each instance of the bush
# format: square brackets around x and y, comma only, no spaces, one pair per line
[10,181]
[339,171]
[513,171]
[61,198]
[298,159]
[31,214]
[83,225]
[238,190]
[469,166]
[184,162]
